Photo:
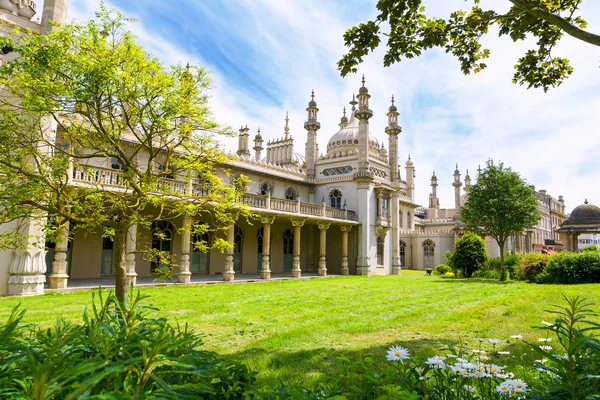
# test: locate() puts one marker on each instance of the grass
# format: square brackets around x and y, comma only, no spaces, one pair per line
[295,330]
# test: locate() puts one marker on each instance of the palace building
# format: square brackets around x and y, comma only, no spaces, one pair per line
[348,210]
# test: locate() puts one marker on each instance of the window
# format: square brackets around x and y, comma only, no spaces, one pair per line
[402,253]
[199,257]
[107,266]
[259,247]
[290,194]
[162,170]
[428,253]
[335,198]
[380,251]
[288,250]
[264,188]
[408,221]
[115,163]
[238,241]
[385,207]
[400,222]
[162,241]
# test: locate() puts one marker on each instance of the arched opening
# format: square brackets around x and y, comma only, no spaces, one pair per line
[238,241]
[200,259]
[288,250]
[259,247]
[380,250]
[403,253]
[428,253]
[335,198]
[162,244]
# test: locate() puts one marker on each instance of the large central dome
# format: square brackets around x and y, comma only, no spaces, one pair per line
[346,140]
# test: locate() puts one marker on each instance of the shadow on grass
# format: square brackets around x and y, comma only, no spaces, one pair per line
[306,367]
[475,280]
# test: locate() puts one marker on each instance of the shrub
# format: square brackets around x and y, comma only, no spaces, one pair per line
[531,271]
[572,268]
[511,263]
[469,254]
[592,247]
[441,269]
[486,274]
[118,351]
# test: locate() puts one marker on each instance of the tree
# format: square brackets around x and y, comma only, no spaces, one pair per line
[469,254]
[110,102]
[500,205]
[412,32]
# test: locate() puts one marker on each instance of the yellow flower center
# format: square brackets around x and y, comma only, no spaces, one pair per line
[504,387]
[493,370]
[397,354]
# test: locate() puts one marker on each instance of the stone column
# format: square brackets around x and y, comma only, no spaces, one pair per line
[345,229]
[575,242]
[364,217]
[185,275]
[297,224]
[265,272]
[28,265]
[130,248]
[396,264]
[323,226]
[58,278]
[229,273]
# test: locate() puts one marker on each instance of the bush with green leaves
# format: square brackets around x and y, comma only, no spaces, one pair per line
[117,352]
[470,254]
[572,268]
[441,269]
[511,263]
[591,247]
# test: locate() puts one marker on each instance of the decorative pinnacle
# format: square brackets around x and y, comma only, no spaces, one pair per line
[287,128]
[392,99]
[344,111]
[409,156]
[312,94]
[585,202]
[363,80]
[353,102]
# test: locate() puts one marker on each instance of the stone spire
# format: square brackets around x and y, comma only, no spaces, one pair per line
[258,145]
[311,126]
[457,184]
[243,136]
[363,114]
[286,129]
[410,178]
[393,129]
[343,120]
[434,202]
[467,181]
[353,103]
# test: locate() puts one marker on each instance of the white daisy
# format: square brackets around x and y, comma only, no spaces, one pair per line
[516,337]
[397,353]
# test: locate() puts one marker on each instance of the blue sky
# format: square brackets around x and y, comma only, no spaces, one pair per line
[265,56]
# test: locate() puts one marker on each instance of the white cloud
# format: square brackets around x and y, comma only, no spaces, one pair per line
[552,139]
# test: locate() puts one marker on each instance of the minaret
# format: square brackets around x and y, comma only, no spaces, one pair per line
[363,114]
[312,126]
[393,129]
[467,182]
[434,202]
[258,145]
[383,153]
[410,178]
[343,120]
[457,184]
[243,142]
[288,143]
[54,10]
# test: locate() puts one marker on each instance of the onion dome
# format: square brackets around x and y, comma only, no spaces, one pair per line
[346,140]
[363,88]
[258,135]
[393,107]
[344,119]
[409,162]
[312,102]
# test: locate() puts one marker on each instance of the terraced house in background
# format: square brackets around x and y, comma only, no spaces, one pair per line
[348,210]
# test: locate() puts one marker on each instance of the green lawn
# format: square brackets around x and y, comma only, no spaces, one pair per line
[296,329]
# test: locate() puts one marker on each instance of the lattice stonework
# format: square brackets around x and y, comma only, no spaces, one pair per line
[378,172]
[337,171]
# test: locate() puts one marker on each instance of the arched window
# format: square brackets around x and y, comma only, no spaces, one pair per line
[264,188]
[115,163]
[238,241]
[199,257]
[403,253]
[162,241]
[259,247]
[107,266]
[380,251]
[335,198]
[290,193]
[428,253]
[408,221]
[288,250]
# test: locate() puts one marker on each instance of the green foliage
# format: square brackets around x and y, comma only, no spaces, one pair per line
[441,269]
[470,254]
[592,247]
[412,32]
[573,370]
[110,100]
[117,351]
[572,268]
[500,205]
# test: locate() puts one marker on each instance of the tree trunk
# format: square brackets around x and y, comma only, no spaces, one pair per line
[502,269]
[119,254]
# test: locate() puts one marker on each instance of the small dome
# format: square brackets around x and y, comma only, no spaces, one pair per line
[585,214]
[409,162]
[347,138]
